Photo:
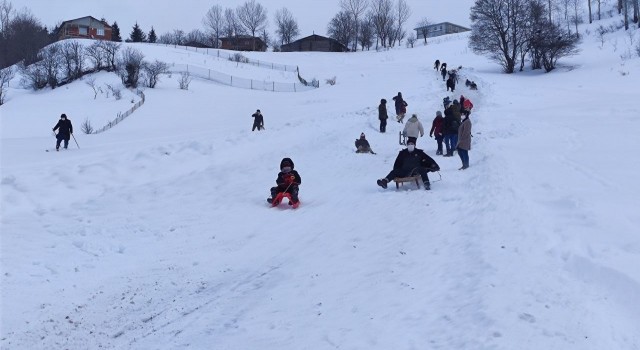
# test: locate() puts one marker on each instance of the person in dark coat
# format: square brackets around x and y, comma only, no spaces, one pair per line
[443,71]
[450,131]
[258,121]
[65,129]
[287,181]
[451,84]
[411,161]
[362,145]
[401,107]
[464,142]
[382,115]
[436,65]
[436,129]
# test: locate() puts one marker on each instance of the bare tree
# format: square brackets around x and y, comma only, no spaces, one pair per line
[214,22]
[253,17]
[110,50]
[497,30]
[51,59]
[184,80]
[232,26]
[403,12]
[86,127]
[423,26]
[411,40]
[286,26]
[366,32]
[576,17]
[152,72]
[355,8]
[96,55]
[129,66]
[73,59]
[5,77]
[381,13]
[341,28]
[195,37]
[6,14]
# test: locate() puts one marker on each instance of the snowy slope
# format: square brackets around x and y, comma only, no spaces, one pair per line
[156,234]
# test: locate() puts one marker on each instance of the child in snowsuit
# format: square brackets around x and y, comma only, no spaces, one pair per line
[362,145]
[65,129]
[382,115]
[258,121]
[288,181]
[436,129]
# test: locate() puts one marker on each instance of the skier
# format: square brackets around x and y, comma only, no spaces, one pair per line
[413,129]
[287,181]
[258,121]
[382,115]
[65,129]
[401,107]
[362,145]
[411,161]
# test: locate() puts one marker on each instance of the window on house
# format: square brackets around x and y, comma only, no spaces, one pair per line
[100,32]
[82,30]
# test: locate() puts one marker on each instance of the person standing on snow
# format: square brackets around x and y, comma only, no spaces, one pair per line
[65,129]
[413,129]
[464,142]
[436,129]
[411,161]
[382,115]
[258,121]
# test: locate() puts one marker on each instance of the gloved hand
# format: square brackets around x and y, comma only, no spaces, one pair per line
[430,135]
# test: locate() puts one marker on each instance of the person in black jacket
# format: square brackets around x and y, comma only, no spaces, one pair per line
[65,129]
[382,115]
[258,121]
[411,161]
[362,145]
[401,107]
[287,181]
[450,130]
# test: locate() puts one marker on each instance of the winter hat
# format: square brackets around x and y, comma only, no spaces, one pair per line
[286,162]
[361,135]
[455,102]
[383,101]
[438,114]
[258,111]
[411,143]
[63,116]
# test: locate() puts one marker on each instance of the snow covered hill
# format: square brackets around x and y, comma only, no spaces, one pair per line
[156,233]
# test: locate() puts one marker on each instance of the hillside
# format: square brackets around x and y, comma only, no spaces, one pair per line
[156,234]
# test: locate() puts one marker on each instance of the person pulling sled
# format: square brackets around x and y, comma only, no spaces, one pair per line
[287,182]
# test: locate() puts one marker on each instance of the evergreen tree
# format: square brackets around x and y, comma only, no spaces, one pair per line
[152,36]
[137,35]
[115,32]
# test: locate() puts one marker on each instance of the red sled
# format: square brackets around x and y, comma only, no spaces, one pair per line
[282,195]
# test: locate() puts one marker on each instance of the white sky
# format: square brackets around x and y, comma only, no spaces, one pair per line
[312,15]
[156,234]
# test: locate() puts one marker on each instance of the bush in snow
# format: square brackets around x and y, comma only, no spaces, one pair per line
[238,57]
[5,76]
[86,127]
[92,83]
[152,72]
[129,66]
[184,80]
[331,81]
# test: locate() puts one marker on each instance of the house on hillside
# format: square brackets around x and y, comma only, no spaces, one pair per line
[439,29]
[84,27]
[243,43]
[314,43]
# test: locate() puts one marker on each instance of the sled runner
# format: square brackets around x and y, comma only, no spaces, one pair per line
[401,180]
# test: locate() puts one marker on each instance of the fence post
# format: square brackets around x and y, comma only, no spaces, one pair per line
[231,80]
[294,87]
[274,86]
[251,84]
[209,74]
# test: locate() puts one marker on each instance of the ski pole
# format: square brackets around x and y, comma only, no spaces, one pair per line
[74,139]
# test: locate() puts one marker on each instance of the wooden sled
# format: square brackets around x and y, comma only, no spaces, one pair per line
[401,180]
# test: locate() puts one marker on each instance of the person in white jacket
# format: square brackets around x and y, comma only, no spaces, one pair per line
[413,129]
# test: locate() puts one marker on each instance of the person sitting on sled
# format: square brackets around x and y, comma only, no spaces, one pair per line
[411,161]
[362,145]
[288,181]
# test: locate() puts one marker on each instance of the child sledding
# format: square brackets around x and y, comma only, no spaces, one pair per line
[287,182]
[362,145]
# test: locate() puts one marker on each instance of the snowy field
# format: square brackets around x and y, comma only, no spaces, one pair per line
[156,233]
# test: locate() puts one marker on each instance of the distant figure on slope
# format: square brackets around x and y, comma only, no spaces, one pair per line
[65,129]
[362,145]
[436,65]
[258,121]
[411,161]
[443,71]
[413,129]
[382,115]
[464,142]
[287,181]
[451,84]
[436,129]
[466,105]
[401,107]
